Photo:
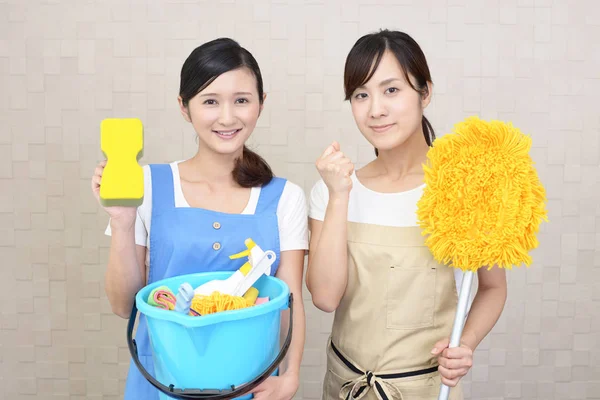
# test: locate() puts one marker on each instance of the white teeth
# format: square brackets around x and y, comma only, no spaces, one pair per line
[227,133]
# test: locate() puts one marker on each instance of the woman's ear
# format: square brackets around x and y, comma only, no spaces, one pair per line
[184,110]
[262,105]
[426,95]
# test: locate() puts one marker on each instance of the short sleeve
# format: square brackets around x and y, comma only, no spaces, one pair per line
[144,211]
[292,218]
[319,197]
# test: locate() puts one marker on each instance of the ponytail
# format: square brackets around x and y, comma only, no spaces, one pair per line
[251,170]
[428,131]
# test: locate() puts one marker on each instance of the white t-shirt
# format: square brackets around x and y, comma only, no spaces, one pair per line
[369,207]
[291,212]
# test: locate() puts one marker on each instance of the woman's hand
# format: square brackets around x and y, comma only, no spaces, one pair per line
[120,216]
[454,363]
[335,169]
[277,388]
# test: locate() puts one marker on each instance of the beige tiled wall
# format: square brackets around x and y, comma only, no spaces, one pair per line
[67,64]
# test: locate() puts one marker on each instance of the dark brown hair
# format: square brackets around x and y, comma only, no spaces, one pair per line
[202,67]
[366,54]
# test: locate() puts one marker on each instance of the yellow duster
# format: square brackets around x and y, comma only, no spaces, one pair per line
[482,204]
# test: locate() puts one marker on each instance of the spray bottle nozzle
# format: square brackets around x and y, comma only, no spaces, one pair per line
[184,298]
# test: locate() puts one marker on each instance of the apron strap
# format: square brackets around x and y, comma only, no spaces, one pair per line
[163,192]
[269,196]
[359,387]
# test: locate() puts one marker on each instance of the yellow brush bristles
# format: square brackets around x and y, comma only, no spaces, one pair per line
[483,202]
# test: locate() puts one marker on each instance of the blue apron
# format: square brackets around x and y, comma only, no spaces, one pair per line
[189,240]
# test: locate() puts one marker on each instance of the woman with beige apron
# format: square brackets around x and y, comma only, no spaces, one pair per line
[394,304]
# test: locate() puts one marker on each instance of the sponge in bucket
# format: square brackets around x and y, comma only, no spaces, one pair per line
[251,295]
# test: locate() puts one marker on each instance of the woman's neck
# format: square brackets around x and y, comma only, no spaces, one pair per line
[406,159]
[210,167]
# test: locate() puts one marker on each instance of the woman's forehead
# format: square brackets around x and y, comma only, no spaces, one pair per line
[388,69]
[241,79]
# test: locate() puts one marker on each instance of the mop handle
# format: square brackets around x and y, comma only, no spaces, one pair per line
[459,322]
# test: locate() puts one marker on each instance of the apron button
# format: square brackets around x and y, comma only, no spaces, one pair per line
[216,225]
[216,246]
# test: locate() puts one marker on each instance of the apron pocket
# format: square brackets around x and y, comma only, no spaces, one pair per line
[422,388]
[337,375]
[411,297]
[332,385]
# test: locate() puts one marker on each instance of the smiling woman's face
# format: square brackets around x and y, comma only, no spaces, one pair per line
[387,109]
[225,113]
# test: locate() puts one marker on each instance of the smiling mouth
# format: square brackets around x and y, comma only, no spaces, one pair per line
[381,128]
[227,134]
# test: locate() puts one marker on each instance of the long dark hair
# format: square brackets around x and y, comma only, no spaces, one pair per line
[366,54]
[199,70]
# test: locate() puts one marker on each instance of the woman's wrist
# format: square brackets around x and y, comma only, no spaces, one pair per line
[338,199]
[292,374]
[122,225]
[469,338]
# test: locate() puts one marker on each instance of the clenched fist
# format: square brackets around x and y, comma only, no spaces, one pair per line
[335,169]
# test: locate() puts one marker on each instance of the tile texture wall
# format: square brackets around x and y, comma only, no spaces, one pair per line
[67,64]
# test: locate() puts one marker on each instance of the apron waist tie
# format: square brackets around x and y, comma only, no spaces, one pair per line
[359,387]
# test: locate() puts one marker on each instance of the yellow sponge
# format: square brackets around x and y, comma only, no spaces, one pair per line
[251,295]
[122,143]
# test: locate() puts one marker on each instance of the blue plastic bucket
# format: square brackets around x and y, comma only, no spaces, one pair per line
[217,356]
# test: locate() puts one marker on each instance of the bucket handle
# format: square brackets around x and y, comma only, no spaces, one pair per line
[208,394]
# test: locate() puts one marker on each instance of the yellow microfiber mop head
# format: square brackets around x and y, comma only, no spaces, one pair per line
[483,202]
[217,302]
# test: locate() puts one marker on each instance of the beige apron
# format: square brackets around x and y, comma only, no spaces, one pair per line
[398,303]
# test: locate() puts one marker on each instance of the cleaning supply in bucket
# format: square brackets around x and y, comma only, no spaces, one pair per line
[217,302]
[234,293]
[261,300]
[162,297]
[259,263]
[184,298]
[251,295]
[188,303]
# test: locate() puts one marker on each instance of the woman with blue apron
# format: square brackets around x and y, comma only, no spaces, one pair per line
[198,212]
